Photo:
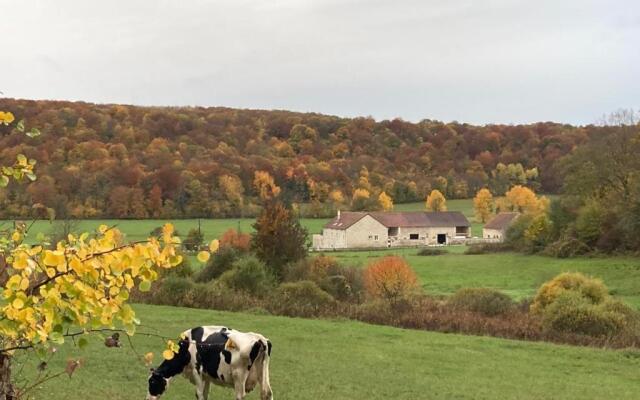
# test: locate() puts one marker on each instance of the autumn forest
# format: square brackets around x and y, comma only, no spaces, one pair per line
[138,162]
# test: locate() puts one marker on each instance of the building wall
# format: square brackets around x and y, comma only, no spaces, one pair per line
[331,239]
[493,234]
[367,232]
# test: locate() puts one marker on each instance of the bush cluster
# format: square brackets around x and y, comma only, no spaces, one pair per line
[485,301]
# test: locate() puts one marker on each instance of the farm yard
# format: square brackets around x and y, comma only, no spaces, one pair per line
[351,361]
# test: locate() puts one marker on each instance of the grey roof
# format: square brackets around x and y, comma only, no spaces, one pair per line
[502,220]
[402,219]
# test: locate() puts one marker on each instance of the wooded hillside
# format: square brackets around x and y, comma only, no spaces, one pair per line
[135,162]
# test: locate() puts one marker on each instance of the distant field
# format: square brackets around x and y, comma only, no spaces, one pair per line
[344,360]
[213,228]
[518,275]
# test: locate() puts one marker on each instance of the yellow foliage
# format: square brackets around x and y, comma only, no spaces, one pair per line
[265,185]
[522,199]
[483,205]
[360,194]
[436,201]
[83,283]
[385,201]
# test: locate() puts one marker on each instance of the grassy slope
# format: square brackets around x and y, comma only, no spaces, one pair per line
[516,274]
[315,359]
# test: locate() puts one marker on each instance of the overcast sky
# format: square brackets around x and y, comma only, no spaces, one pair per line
[477,61]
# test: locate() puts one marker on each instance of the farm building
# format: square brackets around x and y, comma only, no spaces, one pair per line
[389,229]
[497,227]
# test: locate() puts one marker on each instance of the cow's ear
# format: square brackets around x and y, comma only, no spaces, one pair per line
[183,344]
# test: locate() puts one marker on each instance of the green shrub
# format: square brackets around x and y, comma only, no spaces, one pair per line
[591,289]
[218,264]
[487,248]
[566,247]
[342,282]
[250,275]
[213,295]
[485,301]
[431,252]
[194,240]
[301,299]
[573,313]
[173,290]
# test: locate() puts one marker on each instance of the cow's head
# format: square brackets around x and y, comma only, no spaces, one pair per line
[157,385]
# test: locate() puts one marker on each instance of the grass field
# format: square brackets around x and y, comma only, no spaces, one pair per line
[518,275]
[314,359]
[213,228]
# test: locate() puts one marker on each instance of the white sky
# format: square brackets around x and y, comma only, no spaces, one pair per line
[477,61]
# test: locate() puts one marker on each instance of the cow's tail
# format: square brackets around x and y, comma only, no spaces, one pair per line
[265,385]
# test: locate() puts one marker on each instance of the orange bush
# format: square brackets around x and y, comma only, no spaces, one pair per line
[237,240]
[389,278]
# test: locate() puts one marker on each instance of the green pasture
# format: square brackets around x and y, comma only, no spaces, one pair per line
[318,359]
[518,275]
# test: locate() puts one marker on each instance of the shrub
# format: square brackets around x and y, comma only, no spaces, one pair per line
[485,301]
[237,240]
[590,288]
[566,247]
[487,248]
[194,240]
[431,252]
[573,313]
[250,275]
[389,278]
[342,282]
[301,299]
[218,264]
[173,290]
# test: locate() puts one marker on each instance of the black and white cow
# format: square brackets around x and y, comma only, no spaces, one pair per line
[218,355]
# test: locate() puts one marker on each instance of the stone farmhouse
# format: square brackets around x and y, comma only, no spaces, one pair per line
[392,229]
[496,229]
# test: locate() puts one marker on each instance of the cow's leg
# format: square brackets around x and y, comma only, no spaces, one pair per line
[239,381]
[198,381]
[206,389]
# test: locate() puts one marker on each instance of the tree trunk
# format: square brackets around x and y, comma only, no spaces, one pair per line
[6,388]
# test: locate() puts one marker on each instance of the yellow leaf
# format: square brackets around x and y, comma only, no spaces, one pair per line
[16,236]
[24,284]
[214,245]
[148,358]
[17,303]
[167,354]
[203,256]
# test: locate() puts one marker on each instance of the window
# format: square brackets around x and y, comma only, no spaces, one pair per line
[370,237]
[376,237]
[413,236]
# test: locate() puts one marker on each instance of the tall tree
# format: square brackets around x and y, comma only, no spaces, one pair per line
[483,205]
[278,238]
[436,201]
[385,202]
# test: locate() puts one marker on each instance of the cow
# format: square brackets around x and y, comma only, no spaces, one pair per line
[218,355]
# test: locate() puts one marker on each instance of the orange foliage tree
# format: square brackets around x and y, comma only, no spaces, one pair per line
[237,240]
[389,278]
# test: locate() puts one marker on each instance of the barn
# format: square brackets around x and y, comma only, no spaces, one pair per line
[496,229]
[391,229]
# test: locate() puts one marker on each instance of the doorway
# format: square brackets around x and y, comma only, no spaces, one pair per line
[442,238]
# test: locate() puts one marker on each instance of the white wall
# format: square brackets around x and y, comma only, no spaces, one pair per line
[367,232]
